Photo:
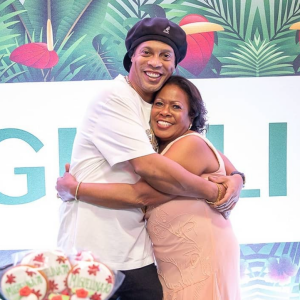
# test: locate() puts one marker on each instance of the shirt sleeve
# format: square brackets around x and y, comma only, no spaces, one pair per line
[119,132]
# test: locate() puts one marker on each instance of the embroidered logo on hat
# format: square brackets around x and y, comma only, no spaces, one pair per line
[167,30]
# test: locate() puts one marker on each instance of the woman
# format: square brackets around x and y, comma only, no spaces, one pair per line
[195,248]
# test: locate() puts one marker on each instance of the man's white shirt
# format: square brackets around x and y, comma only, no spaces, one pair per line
[113,131]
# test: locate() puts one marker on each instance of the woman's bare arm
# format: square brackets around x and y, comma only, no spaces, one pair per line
[229,167]
[111,195]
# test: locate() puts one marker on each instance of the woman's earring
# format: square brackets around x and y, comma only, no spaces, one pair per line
[190,126]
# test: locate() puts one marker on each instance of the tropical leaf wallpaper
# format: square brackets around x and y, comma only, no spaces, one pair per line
[53,40]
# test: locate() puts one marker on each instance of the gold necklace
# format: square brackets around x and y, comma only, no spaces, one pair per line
[152,139]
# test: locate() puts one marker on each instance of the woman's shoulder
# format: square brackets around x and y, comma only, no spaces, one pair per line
[195,153]
[189,141]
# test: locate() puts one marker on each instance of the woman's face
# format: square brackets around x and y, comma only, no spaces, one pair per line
[170,113]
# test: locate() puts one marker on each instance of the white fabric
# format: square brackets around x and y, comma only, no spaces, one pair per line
[113,132]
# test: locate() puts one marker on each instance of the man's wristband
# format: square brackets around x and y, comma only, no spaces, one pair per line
[241,174]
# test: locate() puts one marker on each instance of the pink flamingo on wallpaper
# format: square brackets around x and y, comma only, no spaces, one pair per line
[200,39]
[37,55]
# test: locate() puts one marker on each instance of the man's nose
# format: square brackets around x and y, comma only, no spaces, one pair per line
[155,61]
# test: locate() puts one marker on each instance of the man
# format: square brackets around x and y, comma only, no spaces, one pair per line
[112,146]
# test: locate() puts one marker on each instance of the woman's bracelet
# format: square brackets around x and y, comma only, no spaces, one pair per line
[218,198]
[77,188]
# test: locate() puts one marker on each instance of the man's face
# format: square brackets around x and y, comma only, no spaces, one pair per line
[153,62]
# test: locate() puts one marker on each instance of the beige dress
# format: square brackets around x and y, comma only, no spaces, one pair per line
[195,248]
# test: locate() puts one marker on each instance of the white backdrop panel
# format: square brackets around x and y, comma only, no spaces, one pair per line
[245,107]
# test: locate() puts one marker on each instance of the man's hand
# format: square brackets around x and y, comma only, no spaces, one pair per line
[234,185]
[66,185]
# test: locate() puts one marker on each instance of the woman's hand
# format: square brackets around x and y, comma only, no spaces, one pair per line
[66,185]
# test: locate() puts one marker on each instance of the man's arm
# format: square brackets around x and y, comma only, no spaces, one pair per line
[169,177]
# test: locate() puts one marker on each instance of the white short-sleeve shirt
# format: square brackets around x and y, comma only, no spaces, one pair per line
[113,132]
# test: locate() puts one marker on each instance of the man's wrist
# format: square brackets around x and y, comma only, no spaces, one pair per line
[220,195]
[72,189]
[241,174]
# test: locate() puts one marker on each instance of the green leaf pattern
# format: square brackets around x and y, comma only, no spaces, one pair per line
[89,36]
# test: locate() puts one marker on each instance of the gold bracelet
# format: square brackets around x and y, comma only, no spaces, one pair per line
[218,198]
[76,192]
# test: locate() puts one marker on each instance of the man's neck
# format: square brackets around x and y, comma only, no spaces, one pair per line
[147,97]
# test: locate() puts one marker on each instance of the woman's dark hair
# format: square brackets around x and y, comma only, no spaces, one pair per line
[197,108]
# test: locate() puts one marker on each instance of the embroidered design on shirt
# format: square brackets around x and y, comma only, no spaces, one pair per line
[167,30]
[152,139]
